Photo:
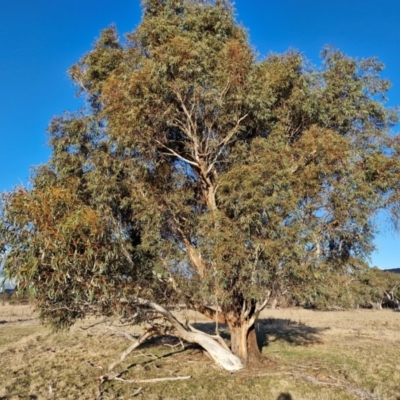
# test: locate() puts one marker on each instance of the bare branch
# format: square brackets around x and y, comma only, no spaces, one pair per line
[123,333]
[85,328]
[174,153]
[129,350]
[358,392]
[194,254]
[137,392]
[230,134]
[186,111]
[263,304]
[154,380]
[225,141]
[259,307]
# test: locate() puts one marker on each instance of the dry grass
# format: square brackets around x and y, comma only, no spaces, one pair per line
[309,355]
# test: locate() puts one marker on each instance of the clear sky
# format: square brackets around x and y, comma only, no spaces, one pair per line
[40,39]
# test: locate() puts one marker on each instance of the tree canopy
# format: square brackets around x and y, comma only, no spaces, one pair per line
[198,172]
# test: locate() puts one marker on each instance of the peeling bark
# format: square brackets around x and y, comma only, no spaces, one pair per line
[243,335]
[239,341]
[253,348]
[244,343]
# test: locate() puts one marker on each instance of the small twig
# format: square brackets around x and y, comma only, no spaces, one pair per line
[358,392]
[275,374]
[105,378]
[85,328]
[300,366]
[154,380]
[176,345]
[128,320]
[173,346]
[122,333]
[137,392]
[129,350]
[149,355]
[337,379]
[93,366]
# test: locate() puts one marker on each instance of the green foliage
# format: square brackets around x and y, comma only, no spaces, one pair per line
[198,173]
[366,288]
[375,287]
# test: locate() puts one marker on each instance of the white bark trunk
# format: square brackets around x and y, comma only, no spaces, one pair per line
[223,357]
[218,353]
[376,305]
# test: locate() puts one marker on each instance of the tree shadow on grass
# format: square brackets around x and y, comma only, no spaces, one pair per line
[269,330]
[273,329]
[285,396]
[210,328]
[150,357]
[174,344]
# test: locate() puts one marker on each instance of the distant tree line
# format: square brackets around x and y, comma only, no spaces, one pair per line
[372,288]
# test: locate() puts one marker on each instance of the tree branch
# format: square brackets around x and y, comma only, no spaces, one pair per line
[225,141]
[174,153]
[219,353]
[259,307]
[135,345]
[176,378]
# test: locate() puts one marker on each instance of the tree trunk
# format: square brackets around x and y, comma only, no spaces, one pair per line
[274,303]
[219,354]
[244,342]
[253,348]
[376,305]
[239,341]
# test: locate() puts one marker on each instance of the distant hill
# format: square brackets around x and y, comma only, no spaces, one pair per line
[394,270]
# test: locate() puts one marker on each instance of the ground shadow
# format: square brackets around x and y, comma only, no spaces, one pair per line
[272,329]
[210,328]
[14,321]
[151,358]
[297,333]
[167,341]
[284,396]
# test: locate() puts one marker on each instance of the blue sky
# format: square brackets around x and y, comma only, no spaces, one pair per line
[41,39]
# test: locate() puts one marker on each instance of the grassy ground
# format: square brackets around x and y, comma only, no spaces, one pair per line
[308,355]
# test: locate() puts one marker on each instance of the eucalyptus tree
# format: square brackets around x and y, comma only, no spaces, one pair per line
[199,173]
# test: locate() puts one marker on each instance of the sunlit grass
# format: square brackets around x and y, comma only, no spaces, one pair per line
[37,364]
